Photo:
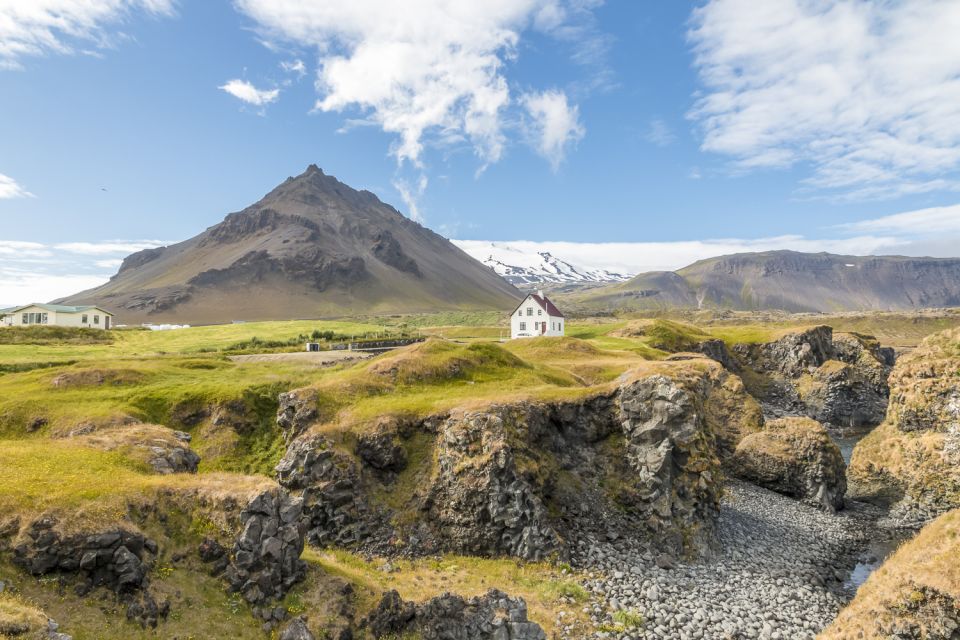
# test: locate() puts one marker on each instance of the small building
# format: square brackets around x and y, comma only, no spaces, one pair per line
[57,315]
[536,316]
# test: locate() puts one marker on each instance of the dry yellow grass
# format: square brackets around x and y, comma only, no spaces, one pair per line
[20,619]
[912,589]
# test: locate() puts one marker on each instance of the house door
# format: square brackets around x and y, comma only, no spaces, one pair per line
[106,322]
[543,328]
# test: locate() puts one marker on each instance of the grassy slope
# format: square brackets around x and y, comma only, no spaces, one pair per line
[903,589]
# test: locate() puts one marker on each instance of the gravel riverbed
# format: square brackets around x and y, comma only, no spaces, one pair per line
[778,572]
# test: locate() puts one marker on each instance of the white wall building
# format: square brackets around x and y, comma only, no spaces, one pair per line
[536,316]
[56,314]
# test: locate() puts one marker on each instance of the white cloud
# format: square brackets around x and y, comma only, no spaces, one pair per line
[10,189]
[411,195]
[124,247]
[660,133]
[867,93]
[24,287]
[556,125]
[423,70]
[935,220]
[245,91]
[41,27]
[294,66]
[37,272]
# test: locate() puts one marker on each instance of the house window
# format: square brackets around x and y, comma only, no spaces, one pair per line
[43,318]
[536,326]
[96,319]
[529,311]
[539,312]
[25,319]
[523,326]
[83,319]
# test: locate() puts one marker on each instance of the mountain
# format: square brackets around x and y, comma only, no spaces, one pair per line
[532,268]
[790,281]
[312,247]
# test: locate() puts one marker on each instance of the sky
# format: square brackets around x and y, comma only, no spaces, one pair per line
[622,135]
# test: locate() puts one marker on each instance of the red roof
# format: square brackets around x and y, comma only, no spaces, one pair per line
[544,302]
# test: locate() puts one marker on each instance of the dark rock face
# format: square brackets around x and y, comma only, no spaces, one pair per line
[388,251]
[114,559]
[717,350]
[673,453]
[166,457]
[297,411]
[266,555]
[519,479]
[310,267]
[242,224]
[492,616]
[382,450]
[796,457]
[139,259]
[480,502]
[840,381]
[334,509]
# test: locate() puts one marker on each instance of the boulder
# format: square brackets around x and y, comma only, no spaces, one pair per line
[796,457]
[492,616]
[296,629]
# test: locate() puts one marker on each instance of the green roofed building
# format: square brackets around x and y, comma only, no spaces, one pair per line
[58,315]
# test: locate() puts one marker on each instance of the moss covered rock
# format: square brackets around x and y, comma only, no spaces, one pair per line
[796,457]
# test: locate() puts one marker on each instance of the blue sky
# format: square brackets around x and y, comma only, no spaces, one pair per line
[687,128]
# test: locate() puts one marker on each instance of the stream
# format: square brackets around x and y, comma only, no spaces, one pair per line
[884,541]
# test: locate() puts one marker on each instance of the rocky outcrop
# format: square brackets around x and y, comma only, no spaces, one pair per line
[519,479]
[117,559]
[796,457]
[672,450]
[297,410]
[334,508]
[113,558]
[912,460]
[166,451]
[492,616]
[480,501]
[839,380]
[265,562]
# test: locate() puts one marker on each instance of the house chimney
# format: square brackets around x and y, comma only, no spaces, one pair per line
[540,292]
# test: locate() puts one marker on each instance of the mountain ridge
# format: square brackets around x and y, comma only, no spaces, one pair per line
[791,281]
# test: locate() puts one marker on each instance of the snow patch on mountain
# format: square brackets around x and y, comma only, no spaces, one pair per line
[523,267]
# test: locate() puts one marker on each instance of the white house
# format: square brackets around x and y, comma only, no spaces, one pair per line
[56,314]
[536,316]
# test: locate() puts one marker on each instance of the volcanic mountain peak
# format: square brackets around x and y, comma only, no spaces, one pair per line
[312,246]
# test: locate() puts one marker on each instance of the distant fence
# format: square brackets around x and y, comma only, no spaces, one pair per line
[367,345]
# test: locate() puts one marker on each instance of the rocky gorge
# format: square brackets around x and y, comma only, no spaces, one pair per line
[700,495]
